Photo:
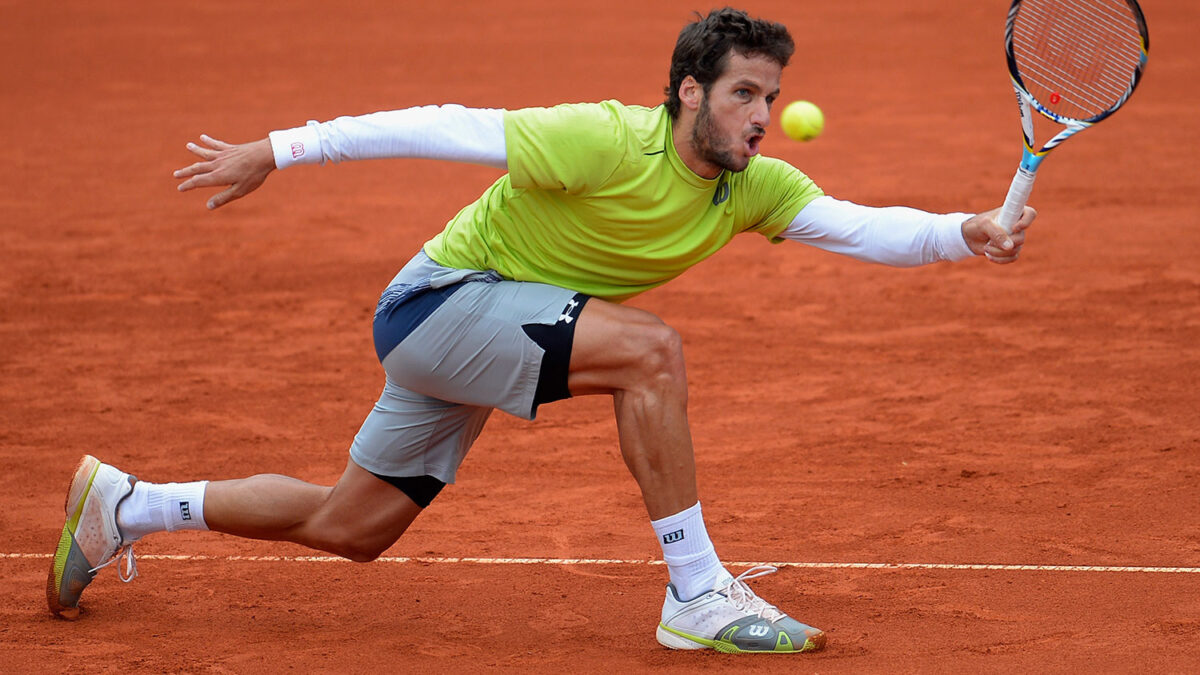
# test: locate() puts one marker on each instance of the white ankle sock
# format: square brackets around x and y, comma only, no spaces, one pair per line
[688,552]
[162,507]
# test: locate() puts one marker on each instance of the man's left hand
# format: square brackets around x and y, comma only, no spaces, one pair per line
[985,236]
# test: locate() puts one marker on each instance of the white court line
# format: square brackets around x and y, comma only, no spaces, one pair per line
[601,561]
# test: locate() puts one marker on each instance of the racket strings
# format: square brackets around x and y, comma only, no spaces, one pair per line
[1081,63]
[1079,59]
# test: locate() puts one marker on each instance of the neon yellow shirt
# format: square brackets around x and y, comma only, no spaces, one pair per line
[598,201]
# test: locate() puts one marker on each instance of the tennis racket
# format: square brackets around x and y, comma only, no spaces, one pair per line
[1075,62]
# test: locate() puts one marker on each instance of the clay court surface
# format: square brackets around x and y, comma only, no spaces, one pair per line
[1043,414]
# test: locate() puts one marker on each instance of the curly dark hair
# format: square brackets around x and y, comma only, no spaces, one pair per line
[703,48]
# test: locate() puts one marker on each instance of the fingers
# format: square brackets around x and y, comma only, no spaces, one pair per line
[1001,256]
[1005,250]
[209,153]
[196,169]
[237,190]
[200,173]
[222,198]
[203,152]
[214,143]
[237,169]
[202,178]
[999,241]
[1027,218]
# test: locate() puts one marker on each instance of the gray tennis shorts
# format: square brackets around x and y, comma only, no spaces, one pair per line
[456,344]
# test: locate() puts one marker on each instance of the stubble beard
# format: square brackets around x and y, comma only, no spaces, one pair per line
[709,143]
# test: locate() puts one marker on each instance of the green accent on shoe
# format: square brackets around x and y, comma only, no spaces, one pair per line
[724,645]
[693,638]
[67,540]
[60,557]
[71,571]
[70,574]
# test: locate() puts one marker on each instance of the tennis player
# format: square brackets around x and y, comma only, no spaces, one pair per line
[517,303]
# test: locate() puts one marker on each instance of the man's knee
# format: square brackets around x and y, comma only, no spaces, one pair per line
[361,518]
[659,350]
[624,349]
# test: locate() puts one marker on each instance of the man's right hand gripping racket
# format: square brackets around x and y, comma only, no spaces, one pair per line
[1075,62]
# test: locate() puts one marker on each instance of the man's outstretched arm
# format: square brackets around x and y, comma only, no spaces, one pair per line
[905,237]
[448,132]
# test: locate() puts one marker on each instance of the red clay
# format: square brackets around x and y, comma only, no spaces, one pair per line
[1043,413]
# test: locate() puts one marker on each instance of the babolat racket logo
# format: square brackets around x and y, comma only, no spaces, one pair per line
[672,537]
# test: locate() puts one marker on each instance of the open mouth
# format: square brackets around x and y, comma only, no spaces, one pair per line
[752,144]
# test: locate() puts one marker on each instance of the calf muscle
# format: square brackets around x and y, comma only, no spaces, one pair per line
[358,518]
[635,357]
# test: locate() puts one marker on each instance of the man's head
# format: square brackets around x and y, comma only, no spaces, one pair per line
[724,77]
[705,45]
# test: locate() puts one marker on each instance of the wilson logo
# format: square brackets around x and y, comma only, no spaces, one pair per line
[297,150]
[757,630]
[722,192]
[185,510]
[672,537]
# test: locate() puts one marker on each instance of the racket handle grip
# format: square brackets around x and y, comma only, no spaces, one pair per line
[1014,202]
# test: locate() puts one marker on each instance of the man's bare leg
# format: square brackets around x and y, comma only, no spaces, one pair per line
[639,360]
[358,518]
[634,356]
[107,510]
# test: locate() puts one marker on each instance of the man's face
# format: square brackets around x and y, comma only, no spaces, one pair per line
[734,114]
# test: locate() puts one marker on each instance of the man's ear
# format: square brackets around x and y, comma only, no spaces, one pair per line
[691,94]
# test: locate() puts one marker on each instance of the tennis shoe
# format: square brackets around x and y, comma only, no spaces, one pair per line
[91,539]
[732,619]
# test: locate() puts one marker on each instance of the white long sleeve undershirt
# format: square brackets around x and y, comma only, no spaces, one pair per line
[449,132]
[897,236]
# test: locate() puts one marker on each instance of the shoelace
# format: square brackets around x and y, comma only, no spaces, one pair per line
[746,600]
[130,564]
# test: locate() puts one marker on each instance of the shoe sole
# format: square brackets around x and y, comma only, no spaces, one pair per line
[673,640]
[70,569]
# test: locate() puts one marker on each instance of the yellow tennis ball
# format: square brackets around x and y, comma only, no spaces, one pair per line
[802,121]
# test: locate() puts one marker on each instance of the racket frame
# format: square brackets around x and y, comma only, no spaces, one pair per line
[1031,159]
